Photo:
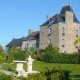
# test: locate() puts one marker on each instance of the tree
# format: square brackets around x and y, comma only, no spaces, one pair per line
[77,43]
[50,49]
[49,52]
[2,54]
[11,53]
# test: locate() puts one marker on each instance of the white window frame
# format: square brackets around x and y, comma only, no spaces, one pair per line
[49,31]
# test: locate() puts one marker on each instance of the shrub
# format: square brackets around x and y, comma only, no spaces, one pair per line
[60,58]
[53,74]
[2,54]
[38,76]
[5,77]
[51,55]
[56,74]
[20,55]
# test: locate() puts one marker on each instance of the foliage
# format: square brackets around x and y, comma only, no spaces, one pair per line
[9,67]
[60,58]
[37,76]
[31,52]
[20,55]
[14,49]
[56,74]
[5,77]
[2,54]
[77,43]
[14,53]
[51,55]
[51,50]
[47,54]
[49,75]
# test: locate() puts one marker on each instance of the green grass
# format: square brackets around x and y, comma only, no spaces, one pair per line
[40,66]
[8,66]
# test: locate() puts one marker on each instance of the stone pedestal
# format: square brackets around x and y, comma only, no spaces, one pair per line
[21,71]
[29,64]
[19,67]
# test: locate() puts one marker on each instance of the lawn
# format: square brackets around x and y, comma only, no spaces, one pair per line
[40,66]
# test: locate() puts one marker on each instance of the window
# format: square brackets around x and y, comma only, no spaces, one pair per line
[49,41]
[63,43]
[76,33]
[63,31]
[49,31]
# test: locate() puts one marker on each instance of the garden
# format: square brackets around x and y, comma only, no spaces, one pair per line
[51,64]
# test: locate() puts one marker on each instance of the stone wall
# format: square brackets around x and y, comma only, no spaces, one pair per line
[28,44]
[65,41]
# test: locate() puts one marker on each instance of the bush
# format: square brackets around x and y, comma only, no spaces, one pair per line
[51,55]
[38,76]
[2,54]
[56,74]
[49,75]
[65,58]
[5,77]
[47,54]
[59,58]
[20,55]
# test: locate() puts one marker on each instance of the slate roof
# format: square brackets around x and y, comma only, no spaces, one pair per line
[68,8]
[33,36]
[60,17]
[18,42]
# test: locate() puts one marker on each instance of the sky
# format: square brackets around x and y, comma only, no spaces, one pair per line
[18,16]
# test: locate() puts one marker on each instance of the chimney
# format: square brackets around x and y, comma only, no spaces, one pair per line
[48,17]
[30,31]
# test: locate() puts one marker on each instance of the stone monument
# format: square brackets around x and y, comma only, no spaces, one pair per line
[19,67]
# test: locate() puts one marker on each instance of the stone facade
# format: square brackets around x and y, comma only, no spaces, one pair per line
[28,44]
[61,30]
[30,41]
[61,34]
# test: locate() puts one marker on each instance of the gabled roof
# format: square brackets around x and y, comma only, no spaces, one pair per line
[60,17]
[55,19]
[68,8]
[34,33]
[17,42]
[32,36]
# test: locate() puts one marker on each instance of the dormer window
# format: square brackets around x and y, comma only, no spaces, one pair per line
[51,20]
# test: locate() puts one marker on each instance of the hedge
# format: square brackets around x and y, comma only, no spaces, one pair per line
[59,58]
